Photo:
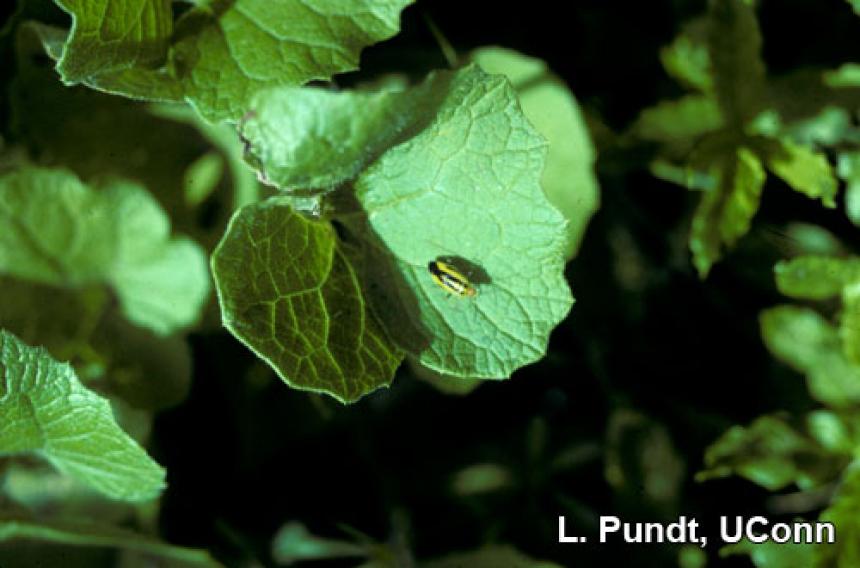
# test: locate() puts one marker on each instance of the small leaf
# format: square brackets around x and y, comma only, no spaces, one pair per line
[804,170]
[811,345]
[816,277]
[568,176]
[481,478]
[769,453]
[46,410]
[294,543]
[468,187]
[844,513]
[201,178]
[770,554]
[734,43]
[679,120]
[80,532]
[246,189]
[64,233]
[849,170]
[492,556]
[289,293]
[114,35]
[849,326]
[688,61]
[684,176]
[724,215]
[846,76]
[223,57]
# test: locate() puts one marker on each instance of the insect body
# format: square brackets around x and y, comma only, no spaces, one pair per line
[451,280]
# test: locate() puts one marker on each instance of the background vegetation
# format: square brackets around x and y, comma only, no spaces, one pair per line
[710,364]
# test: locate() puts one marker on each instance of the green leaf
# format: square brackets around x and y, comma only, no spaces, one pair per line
[679,120]
[294,543]
[855,4]
[133,82]
[734,43]
[688,61]
[219,54]
[839,433]
[84,327]
[769,453]
[202,177]
[246,189]
[770,554]
[849,326]
[568,176]
[849,170]
[811,345]
[468,187]
[67,234]
[684,176]
[289,293]
[492,556]
[844,513]
[480,478]
[692,556]
[80,532]
[724,215]
[816,277]
[46,410]
[224,56]
[314,139]
[114,35]
[804,170]
[846,76]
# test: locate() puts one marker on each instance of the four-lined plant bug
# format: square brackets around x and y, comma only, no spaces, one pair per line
[451,280]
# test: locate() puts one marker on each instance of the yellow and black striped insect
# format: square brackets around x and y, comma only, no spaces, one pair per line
[451,280]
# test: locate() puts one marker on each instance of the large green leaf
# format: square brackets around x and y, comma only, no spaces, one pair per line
[290,294]
[114,35]
[46,410]
[770,453]
[568,176]
[64,233]
[314,139]
[227,52]
[725,212]
[811,345]
[468,187]
[220,53]
[458,176]
[81,532]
